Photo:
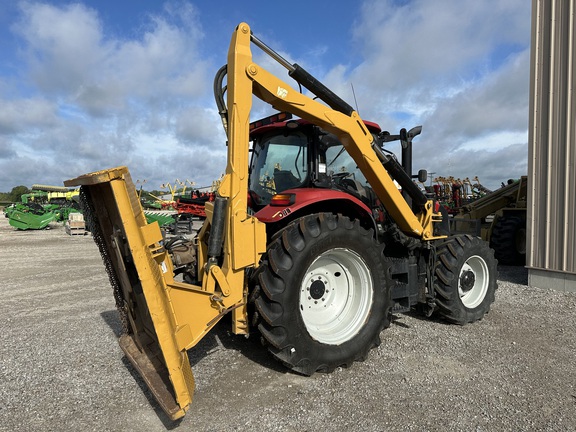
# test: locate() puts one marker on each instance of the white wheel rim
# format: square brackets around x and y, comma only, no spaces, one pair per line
[473,291]
[336,296]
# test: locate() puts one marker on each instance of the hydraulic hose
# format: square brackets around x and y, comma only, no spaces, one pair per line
[219,91]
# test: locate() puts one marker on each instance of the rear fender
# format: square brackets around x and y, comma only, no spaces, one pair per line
[314,200]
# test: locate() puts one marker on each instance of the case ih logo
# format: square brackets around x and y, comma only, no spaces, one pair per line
[281,92]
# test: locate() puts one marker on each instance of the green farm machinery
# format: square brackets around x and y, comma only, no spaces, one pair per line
[42,206]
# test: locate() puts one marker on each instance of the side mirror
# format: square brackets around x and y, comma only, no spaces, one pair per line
[422,176]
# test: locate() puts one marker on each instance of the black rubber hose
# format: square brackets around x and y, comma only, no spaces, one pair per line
[219,90]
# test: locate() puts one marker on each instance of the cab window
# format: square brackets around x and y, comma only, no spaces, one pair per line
[279,162]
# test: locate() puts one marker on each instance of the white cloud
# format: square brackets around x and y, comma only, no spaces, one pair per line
[63,46]
[495,140]
[205,129]
[441,64]
[425,42]
[105,99]
[94,100]
[498,101]
[69,55]
[6,153]
[23,115]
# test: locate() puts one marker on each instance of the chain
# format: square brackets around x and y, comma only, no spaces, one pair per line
[91,221]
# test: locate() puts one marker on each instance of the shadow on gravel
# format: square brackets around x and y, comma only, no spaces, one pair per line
[112,318]
[220,337]
[435,318]
[166,421]
[513,274]
[397,320]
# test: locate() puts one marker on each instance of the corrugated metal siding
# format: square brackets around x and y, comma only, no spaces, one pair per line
[552,139]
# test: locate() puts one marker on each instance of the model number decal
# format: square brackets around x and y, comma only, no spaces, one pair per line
[282,213]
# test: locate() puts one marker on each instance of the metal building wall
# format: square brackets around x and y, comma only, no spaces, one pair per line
[551,239]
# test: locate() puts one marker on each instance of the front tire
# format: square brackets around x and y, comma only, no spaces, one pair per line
[324,296]
[465,279]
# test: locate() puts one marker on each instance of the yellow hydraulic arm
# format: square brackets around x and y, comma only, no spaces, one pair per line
[338,118]
[163,317]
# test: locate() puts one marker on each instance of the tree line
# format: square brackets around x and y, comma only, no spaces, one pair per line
[14,195]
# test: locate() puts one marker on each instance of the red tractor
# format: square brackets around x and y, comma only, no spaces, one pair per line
[299,169]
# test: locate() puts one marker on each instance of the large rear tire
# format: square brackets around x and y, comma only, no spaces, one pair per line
[509,240]
[465,279]
[324,296]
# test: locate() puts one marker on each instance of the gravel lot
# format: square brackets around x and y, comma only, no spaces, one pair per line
[62,369]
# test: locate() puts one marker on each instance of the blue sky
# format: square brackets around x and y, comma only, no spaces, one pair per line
[94,84]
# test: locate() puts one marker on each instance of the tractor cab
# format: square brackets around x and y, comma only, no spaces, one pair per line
[295,155]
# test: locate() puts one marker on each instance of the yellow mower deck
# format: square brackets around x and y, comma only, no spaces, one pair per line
[138,262]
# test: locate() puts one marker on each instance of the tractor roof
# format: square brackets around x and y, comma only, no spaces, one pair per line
[279,120]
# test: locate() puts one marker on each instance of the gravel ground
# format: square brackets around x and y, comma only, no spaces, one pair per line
[62,369]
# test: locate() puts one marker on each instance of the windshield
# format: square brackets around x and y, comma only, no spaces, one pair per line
[279,162]
[339,163]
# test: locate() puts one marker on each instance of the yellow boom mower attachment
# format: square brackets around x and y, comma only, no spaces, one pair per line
[162,318]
